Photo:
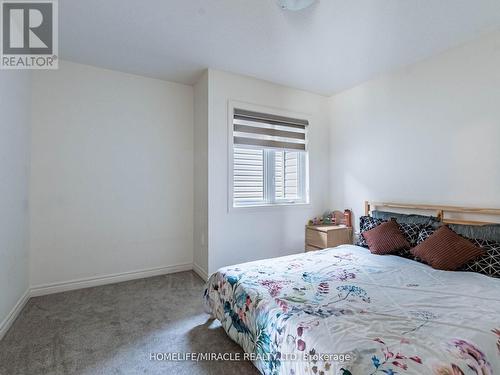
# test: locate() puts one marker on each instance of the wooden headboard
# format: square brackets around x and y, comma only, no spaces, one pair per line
[442,212]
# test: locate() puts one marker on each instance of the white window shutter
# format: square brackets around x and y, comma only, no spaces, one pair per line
[248,175]
[291,169]
[287,175]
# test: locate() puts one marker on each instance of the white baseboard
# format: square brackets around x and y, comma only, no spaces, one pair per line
[200,272]
[41,290]
[14,313]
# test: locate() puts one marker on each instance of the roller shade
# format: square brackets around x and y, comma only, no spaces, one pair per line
[262,130]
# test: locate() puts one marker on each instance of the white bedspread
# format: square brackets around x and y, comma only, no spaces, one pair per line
[305,313]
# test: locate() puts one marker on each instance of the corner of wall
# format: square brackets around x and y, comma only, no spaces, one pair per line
[200,170]
[15,143]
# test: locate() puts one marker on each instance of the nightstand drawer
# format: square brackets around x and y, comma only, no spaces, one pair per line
[312,248]
[316,238]
[322,237]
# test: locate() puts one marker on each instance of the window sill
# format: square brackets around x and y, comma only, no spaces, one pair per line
[265,207]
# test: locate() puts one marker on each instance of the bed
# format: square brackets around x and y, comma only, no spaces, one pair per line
[347,311]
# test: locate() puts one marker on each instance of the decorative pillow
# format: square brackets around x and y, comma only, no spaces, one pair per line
[405,218]
[488,264]
[446,250]
[411,232]
[385,238]
[366,223]
[424,233]
[490,232]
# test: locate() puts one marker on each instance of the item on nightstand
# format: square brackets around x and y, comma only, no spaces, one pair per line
[329,218]
[315,221]
[320,220]
[348,218]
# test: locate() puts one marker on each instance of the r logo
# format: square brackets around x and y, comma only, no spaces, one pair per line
[27,28]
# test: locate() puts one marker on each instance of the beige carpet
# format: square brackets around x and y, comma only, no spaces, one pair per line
[113,329]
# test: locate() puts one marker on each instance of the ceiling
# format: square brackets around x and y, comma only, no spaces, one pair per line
[332,46]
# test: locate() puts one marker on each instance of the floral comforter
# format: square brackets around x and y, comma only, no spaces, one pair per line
[346,311]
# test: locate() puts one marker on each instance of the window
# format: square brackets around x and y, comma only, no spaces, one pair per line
[269,160]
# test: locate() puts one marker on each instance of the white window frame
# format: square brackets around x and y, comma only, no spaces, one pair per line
[268,161]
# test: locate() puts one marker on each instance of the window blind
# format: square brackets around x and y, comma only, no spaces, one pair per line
[248,176]
[254,129]
[286,175]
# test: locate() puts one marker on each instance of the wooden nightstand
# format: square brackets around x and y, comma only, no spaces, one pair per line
[323,236]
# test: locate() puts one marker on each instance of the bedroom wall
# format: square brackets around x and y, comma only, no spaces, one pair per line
[200,138]
[428,133]
[111,177]
[256,233]
[14,177]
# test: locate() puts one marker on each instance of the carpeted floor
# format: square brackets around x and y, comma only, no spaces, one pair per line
[113,329]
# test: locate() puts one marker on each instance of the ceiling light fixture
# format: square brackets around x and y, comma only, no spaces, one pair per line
[295,4]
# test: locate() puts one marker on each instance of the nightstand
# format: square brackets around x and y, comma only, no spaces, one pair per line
[323,236]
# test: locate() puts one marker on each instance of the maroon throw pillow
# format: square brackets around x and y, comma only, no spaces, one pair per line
[386,238]
[446,250]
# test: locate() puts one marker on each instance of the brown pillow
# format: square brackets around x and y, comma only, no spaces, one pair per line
[386,238]
[446,250]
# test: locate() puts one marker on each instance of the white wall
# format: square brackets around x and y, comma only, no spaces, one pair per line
[200,217]
[256,233]
[112,174]
[14,174]
[429,133]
